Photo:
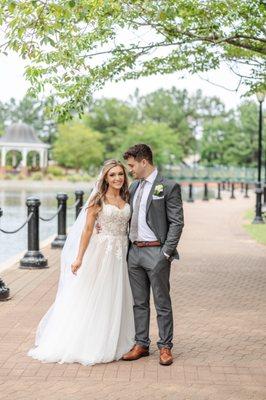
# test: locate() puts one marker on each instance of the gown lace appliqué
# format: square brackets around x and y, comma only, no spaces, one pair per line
[91,321]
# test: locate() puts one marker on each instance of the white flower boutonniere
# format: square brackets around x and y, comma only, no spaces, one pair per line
[158,190]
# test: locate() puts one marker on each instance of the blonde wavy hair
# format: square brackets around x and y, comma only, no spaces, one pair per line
[99,197]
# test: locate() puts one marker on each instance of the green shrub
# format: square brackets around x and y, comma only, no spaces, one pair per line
[86,178]
[37,176]
[73,178]
[56,171]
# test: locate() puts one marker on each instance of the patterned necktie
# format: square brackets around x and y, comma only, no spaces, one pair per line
[133,234]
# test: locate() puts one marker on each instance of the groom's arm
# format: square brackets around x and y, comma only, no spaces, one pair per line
[175,218]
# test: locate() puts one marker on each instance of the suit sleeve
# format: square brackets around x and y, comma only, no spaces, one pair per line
[175,218]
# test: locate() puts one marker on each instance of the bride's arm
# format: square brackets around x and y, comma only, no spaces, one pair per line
[85,237]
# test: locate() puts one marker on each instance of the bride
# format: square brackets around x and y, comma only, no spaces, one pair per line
[91,320]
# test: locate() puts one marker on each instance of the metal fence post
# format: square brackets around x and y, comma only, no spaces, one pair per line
[4,291]
[219,192]
[246,196]
[60,239]
[33,258]
[206,192]
[232,191]
[190,193]
[79,196]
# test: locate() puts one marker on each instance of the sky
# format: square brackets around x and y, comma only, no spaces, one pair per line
[13,83]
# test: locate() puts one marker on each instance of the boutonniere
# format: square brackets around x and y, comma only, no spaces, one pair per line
[158,190]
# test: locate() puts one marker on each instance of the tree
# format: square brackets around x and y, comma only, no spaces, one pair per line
[159,136]
[112,118]
[78,146]
[248,132]
[173,108]
[2,117]
[217,140]
[30,111]
[231,139]
[185,114]
[75,46]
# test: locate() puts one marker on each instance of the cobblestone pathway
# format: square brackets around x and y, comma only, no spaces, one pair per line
[218,292]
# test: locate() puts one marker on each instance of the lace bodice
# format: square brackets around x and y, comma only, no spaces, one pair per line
[113,220]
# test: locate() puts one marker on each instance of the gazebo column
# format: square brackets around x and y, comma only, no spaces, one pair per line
[24,168]
[41,160]
[46,159]
[43,163]
[3,160]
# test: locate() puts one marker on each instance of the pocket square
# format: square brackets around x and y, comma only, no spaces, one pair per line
[157,197]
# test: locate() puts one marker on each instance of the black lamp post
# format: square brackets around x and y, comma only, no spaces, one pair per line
[258,217]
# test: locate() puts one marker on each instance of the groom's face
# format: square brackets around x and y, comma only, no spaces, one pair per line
[137,168]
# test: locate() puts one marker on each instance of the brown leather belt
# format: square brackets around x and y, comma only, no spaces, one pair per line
[147,244]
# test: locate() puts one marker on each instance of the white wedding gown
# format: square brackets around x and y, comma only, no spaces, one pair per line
[91,320]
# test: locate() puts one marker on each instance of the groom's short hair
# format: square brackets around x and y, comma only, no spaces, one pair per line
[139,152]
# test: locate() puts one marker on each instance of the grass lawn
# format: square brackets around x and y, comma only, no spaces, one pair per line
[256,231]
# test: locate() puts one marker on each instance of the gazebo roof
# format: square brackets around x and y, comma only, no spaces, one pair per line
[20,133]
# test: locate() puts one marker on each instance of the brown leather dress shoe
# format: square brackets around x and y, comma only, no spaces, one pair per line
[135,353]
[166,357]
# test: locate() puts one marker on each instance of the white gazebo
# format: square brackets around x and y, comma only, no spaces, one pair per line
[22,137]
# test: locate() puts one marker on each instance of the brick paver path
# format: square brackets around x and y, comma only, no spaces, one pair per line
[218,291]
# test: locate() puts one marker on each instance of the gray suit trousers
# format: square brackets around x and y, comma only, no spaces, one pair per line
[148,267]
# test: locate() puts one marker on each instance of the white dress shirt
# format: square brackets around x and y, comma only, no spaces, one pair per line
[144,232]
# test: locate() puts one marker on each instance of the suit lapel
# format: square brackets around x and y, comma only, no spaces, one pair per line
[157,180]
[132,192]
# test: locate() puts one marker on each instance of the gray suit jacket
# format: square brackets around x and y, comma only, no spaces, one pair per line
[164,216]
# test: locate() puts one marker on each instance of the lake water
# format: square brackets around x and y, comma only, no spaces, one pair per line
[12,202]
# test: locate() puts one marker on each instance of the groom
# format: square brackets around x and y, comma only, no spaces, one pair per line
[155,229]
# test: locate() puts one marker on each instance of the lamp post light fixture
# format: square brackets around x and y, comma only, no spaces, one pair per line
[258,217]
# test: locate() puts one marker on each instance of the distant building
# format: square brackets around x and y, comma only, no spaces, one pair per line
[22,138]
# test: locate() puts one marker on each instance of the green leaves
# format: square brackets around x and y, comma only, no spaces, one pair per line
[93,41]
[231,139]
[78,146]
[11,6]
[165,119]
[162,139]
[168,120]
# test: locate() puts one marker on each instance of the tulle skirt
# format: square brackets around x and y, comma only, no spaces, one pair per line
[91,320]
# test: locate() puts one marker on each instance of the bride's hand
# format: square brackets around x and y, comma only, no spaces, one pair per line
[75,266]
